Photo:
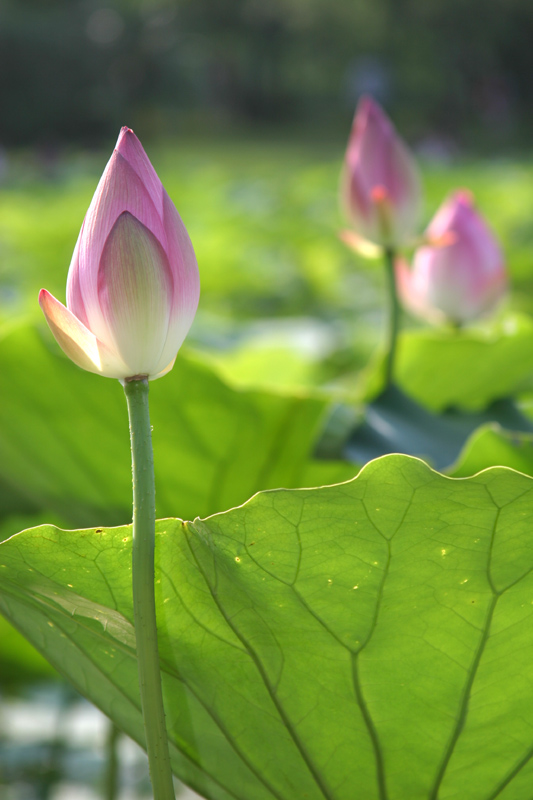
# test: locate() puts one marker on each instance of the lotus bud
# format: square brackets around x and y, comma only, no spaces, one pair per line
[380,186]
[133,283]
[459,274]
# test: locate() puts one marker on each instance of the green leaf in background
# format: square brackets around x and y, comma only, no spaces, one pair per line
[469,368]
[395,423]
[370,640]
[450,383]
[20,661]
[492,444]
[64,442]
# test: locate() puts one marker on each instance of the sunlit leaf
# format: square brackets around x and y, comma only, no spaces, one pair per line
[64,441]
[366,640]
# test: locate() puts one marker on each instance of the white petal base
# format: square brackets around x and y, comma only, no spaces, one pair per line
[77,341]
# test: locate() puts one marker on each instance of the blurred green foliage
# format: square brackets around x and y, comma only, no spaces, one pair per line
[263,216]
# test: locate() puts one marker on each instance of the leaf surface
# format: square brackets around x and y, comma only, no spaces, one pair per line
[64,441]
[370,640]
[469,369]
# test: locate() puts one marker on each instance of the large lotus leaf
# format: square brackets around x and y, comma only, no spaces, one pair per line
[470,368]
[371,640]
[64,441]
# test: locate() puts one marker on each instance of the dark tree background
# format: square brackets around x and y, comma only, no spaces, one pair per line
[72,70]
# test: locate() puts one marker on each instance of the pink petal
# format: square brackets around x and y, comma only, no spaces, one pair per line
[467,277]
[132,150]
[376,157]
[440,278]
[135,288]
[356,202]
[186,281]
[74,297]
[376,136]
[411,294]
[120,189]
[77,342]
[182,259]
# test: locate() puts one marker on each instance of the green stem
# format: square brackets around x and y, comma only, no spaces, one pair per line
[143,589]
[111,776]
[394,316]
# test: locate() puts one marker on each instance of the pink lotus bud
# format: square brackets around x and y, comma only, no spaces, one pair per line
[459,274]
[380,187]
[133,283]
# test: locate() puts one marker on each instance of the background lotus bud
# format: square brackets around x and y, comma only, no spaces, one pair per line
[460,273]
[380,186]
[133,283]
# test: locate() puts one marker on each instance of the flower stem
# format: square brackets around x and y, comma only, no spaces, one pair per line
[394,316]
[142,459]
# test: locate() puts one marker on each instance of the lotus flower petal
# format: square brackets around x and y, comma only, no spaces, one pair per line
[132,151]
[380,187]
[359,245]
[77,342]
[135,293]
[133,283]
[460,273]
[121,191]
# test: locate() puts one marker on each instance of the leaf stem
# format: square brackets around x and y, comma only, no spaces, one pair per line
[394,315]
[142,460]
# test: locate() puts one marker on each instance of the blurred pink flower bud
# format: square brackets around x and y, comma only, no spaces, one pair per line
[133,283]
[380,186]
[460,273]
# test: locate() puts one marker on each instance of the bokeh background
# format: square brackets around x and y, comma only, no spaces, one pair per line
[72,71]
[244,107]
